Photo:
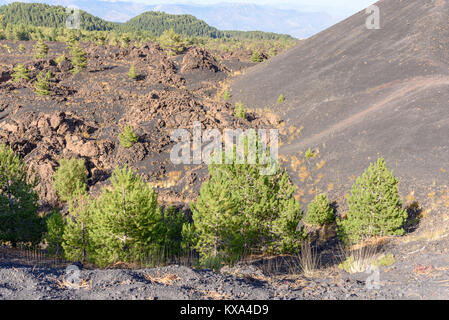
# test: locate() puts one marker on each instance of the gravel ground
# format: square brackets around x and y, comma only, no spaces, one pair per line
[19,282]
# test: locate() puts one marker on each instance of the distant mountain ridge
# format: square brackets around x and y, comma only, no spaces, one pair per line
[44,15]
[248,17]
[224,16]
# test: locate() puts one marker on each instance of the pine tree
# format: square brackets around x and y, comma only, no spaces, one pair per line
[55,232]
[101,39]
[226,95]
[256,57]
[375,208]
[70,178]
[40,49]
[281,99]
[127,137]
[320,211]
[132,74]
[240,211]
[77,243]
[125,41]
[173,222]
[71,39]
[20,72]
[42,83]
[19,221]
[171,41]
[239,110]
[127,222]
[60,59]
[79,61]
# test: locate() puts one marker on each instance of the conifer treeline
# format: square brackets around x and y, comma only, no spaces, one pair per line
[153,23]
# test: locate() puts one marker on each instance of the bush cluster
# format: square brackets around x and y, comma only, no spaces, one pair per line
[239,110]
[70,178]
[239,211]
[375,208]
[320,212]
[41,49]
[128,137]
[20,73]
[19,221]
[42,83]
[124,224]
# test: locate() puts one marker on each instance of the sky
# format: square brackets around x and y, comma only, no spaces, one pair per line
[337,8]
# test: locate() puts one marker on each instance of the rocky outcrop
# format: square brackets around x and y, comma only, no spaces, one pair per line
[43,139]
[197,58]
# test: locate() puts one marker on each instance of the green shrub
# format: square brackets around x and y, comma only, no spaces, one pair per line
[70,39]
[386,260]
[127,223]
[132,74]
[55,232]
[226,95]
[60,59]
[125,40]
[256,57]
[20,72]
[281,99]
[79,60]
[171,41]
[19,221]
[240,211]
[374,206]
[21,47]
[70,178]
[40,49]
[309,154]
[273,52]
[42,83]
[173,222]
[320,211]
[7,48]
[239,110]
[76,239]
[127,137]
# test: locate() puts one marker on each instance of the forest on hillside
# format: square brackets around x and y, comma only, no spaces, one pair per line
[149,23]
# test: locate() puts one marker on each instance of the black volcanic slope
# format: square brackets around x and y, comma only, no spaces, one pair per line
[360,94]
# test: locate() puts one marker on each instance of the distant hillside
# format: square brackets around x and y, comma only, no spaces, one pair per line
[300,21]
[157,22]
[247,16]
[43,15]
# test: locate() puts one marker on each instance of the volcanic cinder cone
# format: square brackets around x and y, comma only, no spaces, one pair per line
[360,94]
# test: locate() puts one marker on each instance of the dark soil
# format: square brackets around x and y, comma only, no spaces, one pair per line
[420,271]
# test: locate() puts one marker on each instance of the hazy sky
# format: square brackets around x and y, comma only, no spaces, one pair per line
[333,7]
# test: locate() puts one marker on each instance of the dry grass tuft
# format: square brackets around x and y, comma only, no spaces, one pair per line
[166,279]
[64,284]
[309,260]
[423,270]
[359,258]
[428,235]
[213,295]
